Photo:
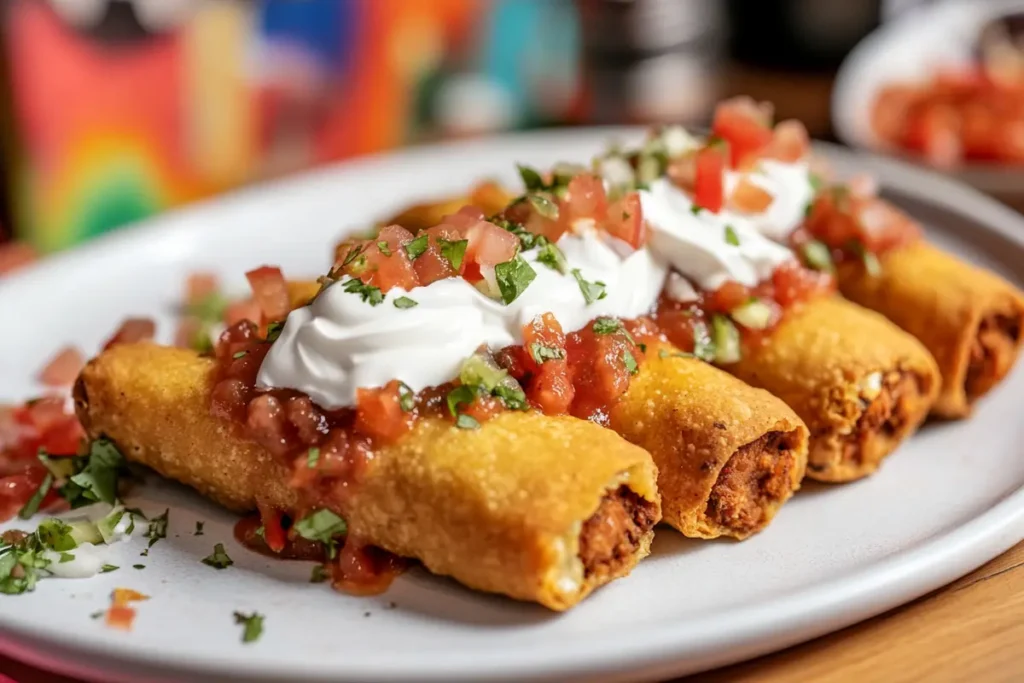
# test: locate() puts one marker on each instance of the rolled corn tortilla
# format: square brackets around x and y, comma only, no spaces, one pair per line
[488,196]
[968,318]
[537,508]
[860,383]
[728,455]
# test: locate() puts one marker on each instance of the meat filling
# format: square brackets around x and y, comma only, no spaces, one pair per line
[992,353]
[886,414]
[755,477]
[611,535]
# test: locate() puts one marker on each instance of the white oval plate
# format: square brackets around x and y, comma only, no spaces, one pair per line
[948,501]
[909,49]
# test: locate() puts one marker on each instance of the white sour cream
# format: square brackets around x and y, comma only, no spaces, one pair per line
[87,559]
[340,343]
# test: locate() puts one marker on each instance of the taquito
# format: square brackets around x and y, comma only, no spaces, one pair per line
[968,318]
[861,384]
[537,508]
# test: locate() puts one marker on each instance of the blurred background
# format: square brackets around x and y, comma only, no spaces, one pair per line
[113,110]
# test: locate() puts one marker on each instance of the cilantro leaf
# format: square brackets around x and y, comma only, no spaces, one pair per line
[544,206]
[462,394]
[454,251]
[252,626]
[322,526]
[319,574]
[199,529]
[695,209]
[630,362]
[97,480]
[592,291]
[818,256]
[531,178]
[312,457]
[406,397]
[512,394]
[405,302]
[384,248]
[32,506]
[541,353]
[416,247]
[731,237]
[158,528]
[513,278]
[370,294]
[107,568]
[218,559]
[552,257]
[55,535]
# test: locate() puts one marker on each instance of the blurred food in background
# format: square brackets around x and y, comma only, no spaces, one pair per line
[119,109]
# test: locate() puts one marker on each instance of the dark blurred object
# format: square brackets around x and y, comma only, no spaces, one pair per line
[651,60]
[799,35]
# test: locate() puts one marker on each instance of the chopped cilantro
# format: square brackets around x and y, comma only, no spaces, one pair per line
[406,397]
[138,566]
[731,237]
[703,344]
[815,181]
[56,535]
[513,278]
[552,257]
[462,394]
[144,553]
[512,394]
[695,209]
[384,248]
[252,626]
[352,255]
[98,614]
[65,557]
[607,325]
[542,353]
[464,421]
[96,480]
[136,512]
[531,178]
[405,302]
[630,362]
[872,266]
[592,291]
[416,247]
[239,354]
[542,205]
[319,574]
[157,528]
[218,559]
[665,353]
[32,506]
[199,529]
[454,251]
[370,294]
[312,457]
[322,526]
[527,240]
[109,568]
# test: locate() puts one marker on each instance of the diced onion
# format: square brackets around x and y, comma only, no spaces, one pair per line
[754,315]
[727,339]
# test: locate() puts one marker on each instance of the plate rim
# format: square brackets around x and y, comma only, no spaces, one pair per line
[654,649]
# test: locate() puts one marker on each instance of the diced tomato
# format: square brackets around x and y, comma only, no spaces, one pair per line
[270,290]
[388,270]
[585,199]
[132,331]
[829,219]
[362,569]
[379,413]
[523,212]
[199,286]
[395,236]
[185,334]
[464,219]
[709,189]
[244,309]
[683,172]
[273,532]
[626,221]
[14,255]
[483,408]
[601,366]
[230,400]
[749,197]
[790,141]
[551,388]
[63,369]
[17,489]
[65,437]
[882,226]
[746,125]
[936,132]
[431,265]
[729,296]
[489,245]
[267,425]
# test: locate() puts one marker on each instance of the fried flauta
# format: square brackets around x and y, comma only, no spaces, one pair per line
[860,383]
[537,508]
[968,318]
[728,455]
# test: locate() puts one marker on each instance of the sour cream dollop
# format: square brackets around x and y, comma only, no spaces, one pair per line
[340,343]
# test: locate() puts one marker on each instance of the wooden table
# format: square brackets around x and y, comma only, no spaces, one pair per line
[971,630]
